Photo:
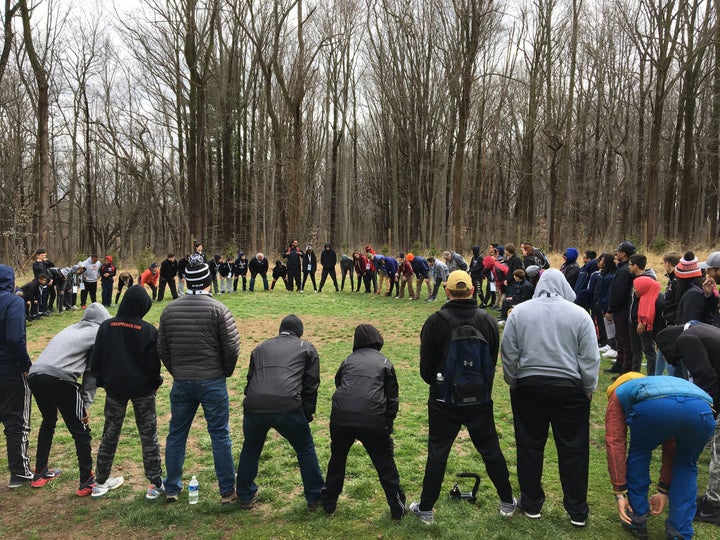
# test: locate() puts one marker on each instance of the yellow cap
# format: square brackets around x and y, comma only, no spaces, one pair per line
[459,281]
[625,377]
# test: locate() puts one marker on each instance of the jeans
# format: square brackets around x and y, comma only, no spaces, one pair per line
[690,421]
[252,281]
[185,397]
[107,289]
[661,366]
[294,427]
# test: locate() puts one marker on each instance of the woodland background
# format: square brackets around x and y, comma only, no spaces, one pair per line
[136,125]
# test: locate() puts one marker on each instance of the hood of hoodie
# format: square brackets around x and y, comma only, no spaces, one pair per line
[95,314]
[7,278]
[328,245]
[293,325]
[552,282]
[135,304]
[476,251]
[367,337]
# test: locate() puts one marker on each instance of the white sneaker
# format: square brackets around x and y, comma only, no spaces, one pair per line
[100,490]
[604,348]
[611,354]
[153,492]
[426,516]
[508,509]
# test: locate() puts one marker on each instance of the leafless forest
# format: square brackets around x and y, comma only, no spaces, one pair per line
[417,124]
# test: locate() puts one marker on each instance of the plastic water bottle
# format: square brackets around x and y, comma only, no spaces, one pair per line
[193,490]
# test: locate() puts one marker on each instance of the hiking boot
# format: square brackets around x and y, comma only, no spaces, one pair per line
[229,498]
[153,491]
[43,477]
[426,516]
[707,512]
[85,489]
[17,481]
[507,509]
[100,490]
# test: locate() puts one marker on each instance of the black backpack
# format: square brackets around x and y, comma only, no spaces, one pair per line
[468,371]
[542,260]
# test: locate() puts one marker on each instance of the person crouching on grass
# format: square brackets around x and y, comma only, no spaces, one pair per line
[53,380]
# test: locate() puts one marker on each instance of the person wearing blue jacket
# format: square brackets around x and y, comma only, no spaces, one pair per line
[666,411]
[388,267]
[422,273]
[14,390]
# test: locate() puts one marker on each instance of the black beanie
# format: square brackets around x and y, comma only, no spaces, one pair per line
[293,325]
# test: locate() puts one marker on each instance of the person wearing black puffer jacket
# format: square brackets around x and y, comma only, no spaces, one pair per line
[328,260]
[364,407]
[125,362]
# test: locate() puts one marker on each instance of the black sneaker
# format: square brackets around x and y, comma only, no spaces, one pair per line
[17,481]
[707,512]
[328,503]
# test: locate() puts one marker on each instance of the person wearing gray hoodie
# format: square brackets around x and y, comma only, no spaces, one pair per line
[53,380]
[551,361]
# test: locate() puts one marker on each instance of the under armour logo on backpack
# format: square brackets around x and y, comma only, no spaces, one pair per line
[468,363]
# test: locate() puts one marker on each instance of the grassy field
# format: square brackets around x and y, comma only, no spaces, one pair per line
[329,318]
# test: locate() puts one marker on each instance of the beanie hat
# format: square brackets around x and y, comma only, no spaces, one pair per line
[571,254]
[292,324]
[410,257]
[197,273]
[109,258]
[488,262]
[625,377]
[688,267]
[532,270]
[627,248]
[501,251]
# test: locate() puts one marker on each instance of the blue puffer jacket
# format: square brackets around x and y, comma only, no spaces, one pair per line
[637,390]
[14,358]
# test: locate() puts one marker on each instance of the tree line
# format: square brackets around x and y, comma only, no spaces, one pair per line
[422,125]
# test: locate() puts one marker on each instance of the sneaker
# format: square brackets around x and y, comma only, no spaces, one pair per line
[229,498]
[171,498]
[501,322]
[604,348]
[153,491]
[614,369]
[636,530]
[313,506]
[17,481]
[44,476]
[99,490]
[86,487]
[426,516]
[707,512]
[507,509]
[612,353]
[578,522]
[329,505]
[530,515]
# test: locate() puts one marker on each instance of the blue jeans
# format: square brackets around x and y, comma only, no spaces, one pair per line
[292,426]
[185,397]
[690,421]
[661,366]
[252,281]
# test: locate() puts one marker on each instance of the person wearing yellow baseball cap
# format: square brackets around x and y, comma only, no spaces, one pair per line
[666,411]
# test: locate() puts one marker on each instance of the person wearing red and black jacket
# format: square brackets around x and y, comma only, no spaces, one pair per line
[370,255]
[363,268]
[14,392]
[125,361]
[405,276]
[293,254]
[666,411]
[364,407]
[619,307]
[107,276]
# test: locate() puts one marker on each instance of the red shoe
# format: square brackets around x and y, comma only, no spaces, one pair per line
[45,476]
[85,489]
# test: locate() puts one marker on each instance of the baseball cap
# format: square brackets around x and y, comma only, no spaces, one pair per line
[459,280]
[713,261]
[627,248]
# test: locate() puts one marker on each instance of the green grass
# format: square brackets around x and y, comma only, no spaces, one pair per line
[329,319]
